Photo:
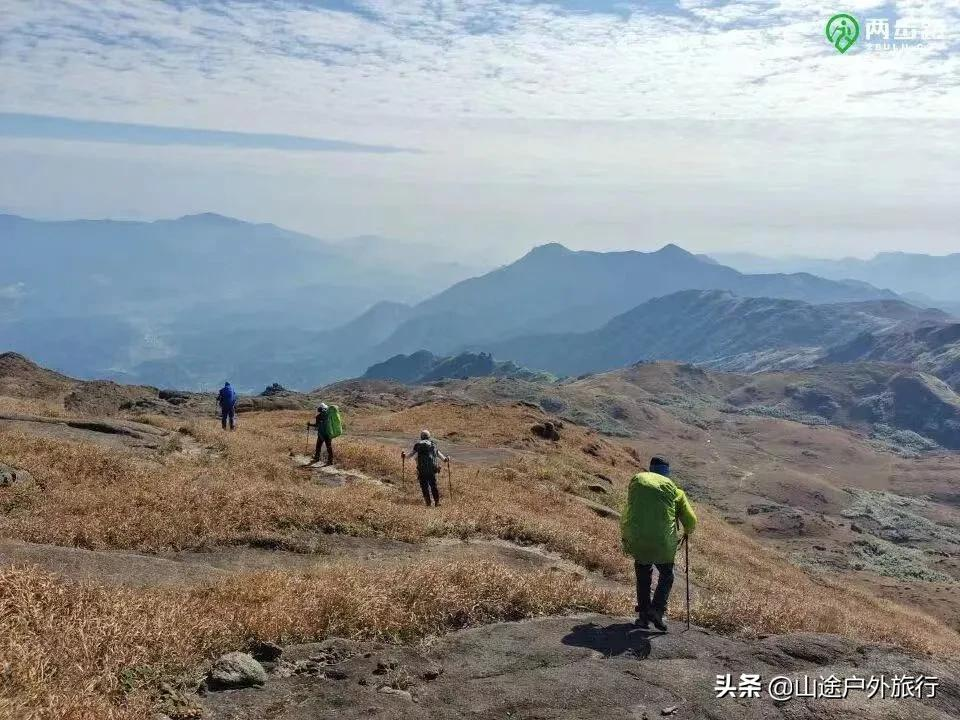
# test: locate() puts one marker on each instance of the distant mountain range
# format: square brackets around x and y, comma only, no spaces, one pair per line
[720,329]
[187,301]
[193,301]
[550,288]
[553,289]
[924,279]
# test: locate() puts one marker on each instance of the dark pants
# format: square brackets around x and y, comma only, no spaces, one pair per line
[230,415]
[664,585]
[321,441]
[428,486]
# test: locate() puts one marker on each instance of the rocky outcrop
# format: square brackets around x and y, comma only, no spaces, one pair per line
[11,476]
[587,666]
[265,651]
[236,670]
[274,389]
[546,430]
[403,368]
[425,367]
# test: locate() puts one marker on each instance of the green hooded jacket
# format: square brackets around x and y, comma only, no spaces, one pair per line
[648,525]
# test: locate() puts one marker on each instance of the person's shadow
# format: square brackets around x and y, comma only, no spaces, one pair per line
[612,640]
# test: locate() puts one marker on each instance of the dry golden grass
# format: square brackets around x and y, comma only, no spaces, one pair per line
[79,652]
[246,489]
[483,425]
[251,493]
[101,498]
[31,406]
[750,589]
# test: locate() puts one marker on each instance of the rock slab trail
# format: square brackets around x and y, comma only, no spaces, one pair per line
[574,668]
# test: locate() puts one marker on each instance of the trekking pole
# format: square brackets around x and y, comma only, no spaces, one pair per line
[308,439]
[403,471]
[449,479]
[686,572]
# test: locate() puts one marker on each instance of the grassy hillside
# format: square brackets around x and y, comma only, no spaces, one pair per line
[96,651]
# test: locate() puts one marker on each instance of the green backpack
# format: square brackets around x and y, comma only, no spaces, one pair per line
[334,423]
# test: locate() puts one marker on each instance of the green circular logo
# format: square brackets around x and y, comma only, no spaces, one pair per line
[843,31]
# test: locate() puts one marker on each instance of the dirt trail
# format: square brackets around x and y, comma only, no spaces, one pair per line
[198,568]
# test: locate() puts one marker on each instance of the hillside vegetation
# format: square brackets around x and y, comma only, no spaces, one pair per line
[99,652]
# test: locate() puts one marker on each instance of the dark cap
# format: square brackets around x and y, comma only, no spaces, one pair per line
[659,465]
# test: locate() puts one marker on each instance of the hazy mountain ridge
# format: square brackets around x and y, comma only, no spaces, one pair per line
[716,327]
[931,277]
[555,287]
[552,278]
[213,297]
[187,300]
[425,367]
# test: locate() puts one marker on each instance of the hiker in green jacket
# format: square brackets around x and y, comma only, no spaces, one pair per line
[648,528]
[323,434]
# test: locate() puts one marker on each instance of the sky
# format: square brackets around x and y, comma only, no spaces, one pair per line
[491,126]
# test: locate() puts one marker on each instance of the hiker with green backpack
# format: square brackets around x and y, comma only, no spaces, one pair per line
[329,426]
[429,458]
[648,528]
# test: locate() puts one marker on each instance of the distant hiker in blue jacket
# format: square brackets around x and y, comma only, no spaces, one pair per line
[227,400]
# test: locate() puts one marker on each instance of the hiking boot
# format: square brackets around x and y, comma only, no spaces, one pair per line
[642,621]
[656,617]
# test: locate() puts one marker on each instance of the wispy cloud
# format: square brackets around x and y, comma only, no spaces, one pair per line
[275,66]
[22,125]
[13,291]
[594,122]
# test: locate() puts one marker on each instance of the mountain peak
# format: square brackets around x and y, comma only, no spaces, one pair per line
[210,218]
[671,250]
[549,250]
[16,359]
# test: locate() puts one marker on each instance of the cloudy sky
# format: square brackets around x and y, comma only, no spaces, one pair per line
[492,125]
